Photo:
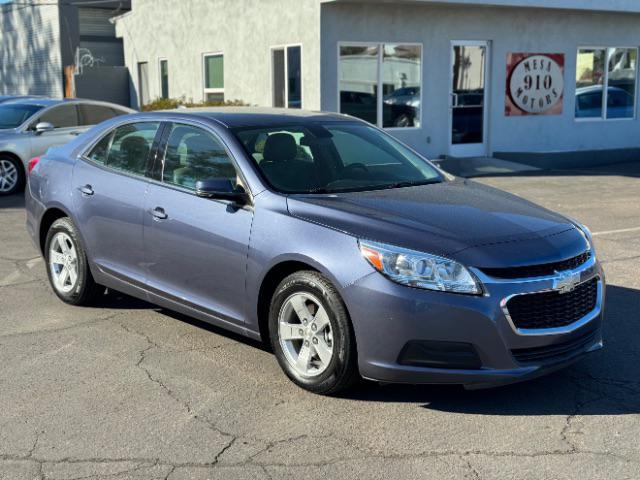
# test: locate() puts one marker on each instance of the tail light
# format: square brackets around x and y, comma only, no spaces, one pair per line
[32,163]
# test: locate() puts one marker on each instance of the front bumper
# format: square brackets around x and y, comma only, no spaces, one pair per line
[387,316]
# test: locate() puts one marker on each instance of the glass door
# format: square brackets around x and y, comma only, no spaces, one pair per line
[468,95]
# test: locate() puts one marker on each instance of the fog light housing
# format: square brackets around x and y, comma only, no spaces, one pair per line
[435,354]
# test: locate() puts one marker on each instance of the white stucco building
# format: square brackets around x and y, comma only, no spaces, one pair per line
[546,81]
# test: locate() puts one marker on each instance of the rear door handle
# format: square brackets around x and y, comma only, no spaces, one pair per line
[75,133]
[159,213]
[87,190]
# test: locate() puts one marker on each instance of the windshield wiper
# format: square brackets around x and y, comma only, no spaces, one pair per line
[320,190]
[409,184]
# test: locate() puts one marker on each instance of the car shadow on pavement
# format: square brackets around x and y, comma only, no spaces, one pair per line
[604,383]
[12,201]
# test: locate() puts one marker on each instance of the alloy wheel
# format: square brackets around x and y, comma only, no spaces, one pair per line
[63,262]
[8,176]
[305,334]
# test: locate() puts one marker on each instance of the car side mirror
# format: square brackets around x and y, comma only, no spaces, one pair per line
[221,189]
[42,127]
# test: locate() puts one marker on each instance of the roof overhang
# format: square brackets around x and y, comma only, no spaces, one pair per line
[621,6]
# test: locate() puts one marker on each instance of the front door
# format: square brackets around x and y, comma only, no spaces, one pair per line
[66,126]
[468,99]
[196,248]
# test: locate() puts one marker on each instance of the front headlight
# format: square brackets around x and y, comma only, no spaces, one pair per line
[420,270]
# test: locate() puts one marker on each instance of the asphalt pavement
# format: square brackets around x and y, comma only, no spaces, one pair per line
[127,390]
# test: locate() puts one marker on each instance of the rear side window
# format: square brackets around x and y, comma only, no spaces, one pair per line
[62,116]
[126,148]
[193,154]
[95,114]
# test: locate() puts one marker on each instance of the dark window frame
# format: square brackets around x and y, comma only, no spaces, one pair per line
[285,50]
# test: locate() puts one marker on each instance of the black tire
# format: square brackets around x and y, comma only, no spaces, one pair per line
[19,185]
[86,290]
[342,371]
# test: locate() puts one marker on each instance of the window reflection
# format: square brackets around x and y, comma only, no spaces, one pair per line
[589,83]
[621,91]
[401,70]
[380,83]
[469,63]
[359,82]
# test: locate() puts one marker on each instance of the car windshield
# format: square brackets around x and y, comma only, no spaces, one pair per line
[14,115]
[333,157]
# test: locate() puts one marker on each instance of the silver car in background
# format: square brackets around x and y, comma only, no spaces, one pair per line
[29,127]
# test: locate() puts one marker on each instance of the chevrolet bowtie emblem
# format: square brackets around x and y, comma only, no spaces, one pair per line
[566,282]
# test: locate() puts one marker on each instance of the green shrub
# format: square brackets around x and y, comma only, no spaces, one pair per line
[173,103]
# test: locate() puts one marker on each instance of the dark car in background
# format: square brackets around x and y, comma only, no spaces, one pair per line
[401,108]
[29,126]
[323,235]
[590,102]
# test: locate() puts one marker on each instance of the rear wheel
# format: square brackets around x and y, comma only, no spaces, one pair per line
[67,265]
[11,175]
[311,334]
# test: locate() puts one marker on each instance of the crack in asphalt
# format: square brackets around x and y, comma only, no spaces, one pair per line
[151,462]
[63,329]
[151,345]
[474,474]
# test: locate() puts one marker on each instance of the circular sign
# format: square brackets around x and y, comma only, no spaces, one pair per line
[536,84]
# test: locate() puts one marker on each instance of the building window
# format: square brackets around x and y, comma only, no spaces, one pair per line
[382,83]
[143,83]
[214,77]
[606,83]
[287,76]
[164,78]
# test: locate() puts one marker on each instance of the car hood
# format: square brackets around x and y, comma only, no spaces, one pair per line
[469,222]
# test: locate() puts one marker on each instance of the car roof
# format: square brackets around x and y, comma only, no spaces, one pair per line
[233,117]
[47,102]
[597,88]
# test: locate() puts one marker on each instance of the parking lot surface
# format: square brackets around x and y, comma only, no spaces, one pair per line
[130,391]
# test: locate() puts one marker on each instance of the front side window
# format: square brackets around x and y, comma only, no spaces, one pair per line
[333,157]
[192,155]
[126,148]
[381,83]
[606,83]
[62,116]
[95,114]
[287,77]
[214,78]
[12,116]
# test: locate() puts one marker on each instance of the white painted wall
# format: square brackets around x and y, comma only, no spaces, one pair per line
[244,30]
[30,55]
[508,30]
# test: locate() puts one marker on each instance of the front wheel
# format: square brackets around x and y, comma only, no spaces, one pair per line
[12,177]
[311,334]
[67,265]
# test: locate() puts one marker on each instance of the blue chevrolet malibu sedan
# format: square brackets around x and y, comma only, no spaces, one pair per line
[346,250]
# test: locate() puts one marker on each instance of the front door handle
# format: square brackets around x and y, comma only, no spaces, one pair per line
[159,213]
[87,190]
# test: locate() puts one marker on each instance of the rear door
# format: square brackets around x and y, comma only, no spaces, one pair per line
[109,186]
[196,248]
[66,123]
